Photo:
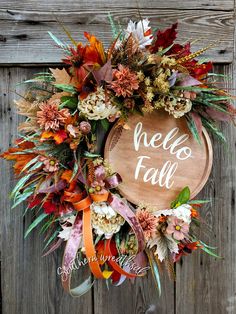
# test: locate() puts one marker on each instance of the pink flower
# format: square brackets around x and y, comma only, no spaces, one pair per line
[85,127]
[125,81]
[100,173]
[148,222]
[98,187]
[178,228]
[50,165]
[50,117]
[74,131]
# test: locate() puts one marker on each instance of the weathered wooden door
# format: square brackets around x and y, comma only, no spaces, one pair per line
[29,283]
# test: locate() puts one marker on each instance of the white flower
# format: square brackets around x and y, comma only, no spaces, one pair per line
[138,30]
[105,220]
[66,224]
[103,209]
[183,212]
[96,107]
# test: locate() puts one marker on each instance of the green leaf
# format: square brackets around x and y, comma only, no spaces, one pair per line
[35,166]
[20,185]
[53,236]
[105,124]
[66,88]
[193,128]
[91,155]
[31,162]
[114,28]
[182,198]
[35,223]
[194,88]
[199,201]
[208,251]
[155,272]
[47,224]
[22,197]
[58,41]
[69,102]
[162,52]
[220,75]
[213,128]
[207,246]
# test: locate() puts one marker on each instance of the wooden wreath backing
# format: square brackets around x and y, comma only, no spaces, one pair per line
[120,152]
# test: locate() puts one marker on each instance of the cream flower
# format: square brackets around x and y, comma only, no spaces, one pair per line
[96,106]
[105,220]
[176,106]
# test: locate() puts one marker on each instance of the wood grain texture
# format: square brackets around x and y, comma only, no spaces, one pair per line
[135,298]
[24,38]
[205,284]
[62,6]
[29,283]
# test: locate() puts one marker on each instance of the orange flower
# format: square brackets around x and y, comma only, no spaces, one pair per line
[125,81]
[50,117]
[84,57]
[194,213]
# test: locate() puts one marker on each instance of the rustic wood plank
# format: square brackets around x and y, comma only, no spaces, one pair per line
[24,38]
[205,284]
[29,283]
[135,298]
[61,5]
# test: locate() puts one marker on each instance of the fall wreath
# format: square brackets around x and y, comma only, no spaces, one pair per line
[72,191]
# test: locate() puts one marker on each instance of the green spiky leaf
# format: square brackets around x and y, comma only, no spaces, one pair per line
[35,223]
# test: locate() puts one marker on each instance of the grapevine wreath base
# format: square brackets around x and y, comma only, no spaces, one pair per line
[71,190]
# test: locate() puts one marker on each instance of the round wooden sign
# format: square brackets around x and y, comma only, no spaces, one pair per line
[157,157]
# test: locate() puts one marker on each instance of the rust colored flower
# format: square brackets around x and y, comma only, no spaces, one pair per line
[186,248]
[194,213]
[50,117]
[125,81]
[148,222]
[84,57]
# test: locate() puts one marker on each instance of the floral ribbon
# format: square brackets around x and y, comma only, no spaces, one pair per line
[82,202]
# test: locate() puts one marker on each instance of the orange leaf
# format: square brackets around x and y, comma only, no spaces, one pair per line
[62,77]
[58,137]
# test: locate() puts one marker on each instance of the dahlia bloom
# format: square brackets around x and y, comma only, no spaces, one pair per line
[178,228]
[125,81]
[50,117]
[148,222]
